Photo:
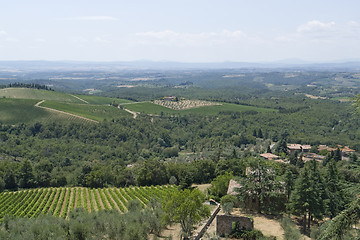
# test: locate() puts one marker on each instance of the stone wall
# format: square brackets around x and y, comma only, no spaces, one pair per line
[205,227]
[224,224]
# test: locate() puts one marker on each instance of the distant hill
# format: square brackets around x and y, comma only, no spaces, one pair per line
[30,93]
[26,105]
[292,64]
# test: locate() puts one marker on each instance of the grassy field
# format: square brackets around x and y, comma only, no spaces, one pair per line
[13,111]
[95,112]
[60,201]
[102,100]
[150,108]
[29,93]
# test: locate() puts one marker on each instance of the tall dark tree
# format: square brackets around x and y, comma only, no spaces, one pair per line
[10,180]
[152,172]
[26,175]
[341,225]
[337,155]
[307,199]
[293,158]
[261,187]
[289,182]
[254,133]
[333,190]
[281,146]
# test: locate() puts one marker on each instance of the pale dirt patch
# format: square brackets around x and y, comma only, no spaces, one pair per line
[173,230]
[269,227]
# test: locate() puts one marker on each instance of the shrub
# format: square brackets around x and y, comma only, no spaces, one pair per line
[290,230]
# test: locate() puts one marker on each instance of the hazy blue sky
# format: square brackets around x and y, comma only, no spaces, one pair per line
[179,30]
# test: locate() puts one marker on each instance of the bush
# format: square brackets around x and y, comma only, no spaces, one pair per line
[229,198]
[227,203]
[290,230]
[219,185]
[227,207]
[245,234]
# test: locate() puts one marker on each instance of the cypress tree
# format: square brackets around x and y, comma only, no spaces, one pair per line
[333,190]
[307,199]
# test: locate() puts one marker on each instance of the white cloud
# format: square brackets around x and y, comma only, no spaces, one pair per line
[2,32]
[316,31]
[172,38]
[91,18]
[316,26]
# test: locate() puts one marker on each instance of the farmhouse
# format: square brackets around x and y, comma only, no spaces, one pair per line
[269,156]
[324,147]
[346,151]
[310,156]
[298,147]
[171,98]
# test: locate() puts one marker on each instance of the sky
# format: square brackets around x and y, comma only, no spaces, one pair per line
[180,30]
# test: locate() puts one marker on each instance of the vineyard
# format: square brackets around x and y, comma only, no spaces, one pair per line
[61,201]
[184,104]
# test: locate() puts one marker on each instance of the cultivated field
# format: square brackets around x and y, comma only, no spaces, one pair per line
[60,201]
[101,100]
[13,111]
[151,108]
[29,93]
[94,112]
[184,104]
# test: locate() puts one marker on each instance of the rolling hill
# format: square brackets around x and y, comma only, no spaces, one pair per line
[21,105]
[26,105]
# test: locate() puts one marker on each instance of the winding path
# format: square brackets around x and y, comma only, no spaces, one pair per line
[79,99]
[131,112]
[58,111]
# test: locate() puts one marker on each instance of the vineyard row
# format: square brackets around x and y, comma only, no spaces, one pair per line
[61,201]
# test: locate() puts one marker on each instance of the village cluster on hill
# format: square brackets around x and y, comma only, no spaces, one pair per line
[308,152]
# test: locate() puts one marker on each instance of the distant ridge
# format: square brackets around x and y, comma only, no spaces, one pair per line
[286,64]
